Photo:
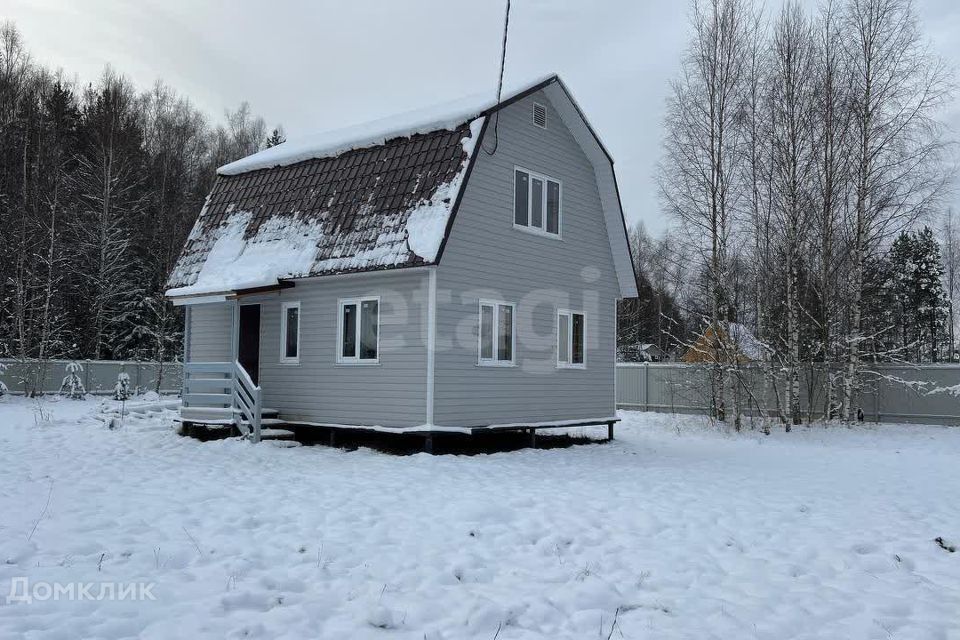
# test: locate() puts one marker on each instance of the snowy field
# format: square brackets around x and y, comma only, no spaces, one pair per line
[674,530]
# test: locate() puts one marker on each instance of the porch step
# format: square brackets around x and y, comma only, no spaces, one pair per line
[212,415]
[267,422]
[270,430]
[215,415]
[264,413]
[276,434]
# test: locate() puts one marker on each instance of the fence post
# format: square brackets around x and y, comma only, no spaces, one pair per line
[86,375]
[137,387]
[646,386]
[876,400]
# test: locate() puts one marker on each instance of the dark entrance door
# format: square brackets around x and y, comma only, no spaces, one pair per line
[249,347]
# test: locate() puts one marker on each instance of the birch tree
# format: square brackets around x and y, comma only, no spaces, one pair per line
[831,138]
[98,189]
[109,183]
[951,263]
[702,150]
[791,101]
[896,88]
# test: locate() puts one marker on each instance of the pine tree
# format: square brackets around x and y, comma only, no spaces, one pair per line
[72,385]
[932,302]
[99,188]
[921,301]
[121,390]
[880,311]
[276,137]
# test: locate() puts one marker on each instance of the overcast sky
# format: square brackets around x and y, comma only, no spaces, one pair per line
[315,65]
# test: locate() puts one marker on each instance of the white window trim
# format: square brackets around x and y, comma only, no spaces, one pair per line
[495,362]
[527,228]
[283,331]
[356,360]
[571,365]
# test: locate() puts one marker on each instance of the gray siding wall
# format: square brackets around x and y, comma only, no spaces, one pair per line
[486,257]
[391,393]
[210,332]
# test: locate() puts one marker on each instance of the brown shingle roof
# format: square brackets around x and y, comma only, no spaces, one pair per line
[357,203]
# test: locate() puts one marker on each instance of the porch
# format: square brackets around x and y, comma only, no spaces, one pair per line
[222,395]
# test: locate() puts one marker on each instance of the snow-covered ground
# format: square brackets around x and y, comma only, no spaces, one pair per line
[675,530]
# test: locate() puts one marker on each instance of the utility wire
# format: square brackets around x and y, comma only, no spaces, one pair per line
[503,60]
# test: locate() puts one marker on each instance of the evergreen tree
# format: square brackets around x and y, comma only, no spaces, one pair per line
[109,180]
[880,320]
[921,301]
[98,190]
[276,137]
[931,298]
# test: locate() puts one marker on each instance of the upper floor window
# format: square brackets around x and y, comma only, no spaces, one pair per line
[536,202]
[359,331]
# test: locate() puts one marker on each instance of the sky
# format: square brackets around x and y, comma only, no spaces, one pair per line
[317,65]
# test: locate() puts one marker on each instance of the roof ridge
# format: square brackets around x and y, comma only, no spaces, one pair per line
[447,115]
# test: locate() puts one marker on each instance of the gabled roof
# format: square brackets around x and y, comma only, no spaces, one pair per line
[378,196]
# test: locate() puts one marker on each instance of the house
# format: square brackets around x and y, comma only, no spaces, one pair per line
[643,352]
[737,345]
[455,269]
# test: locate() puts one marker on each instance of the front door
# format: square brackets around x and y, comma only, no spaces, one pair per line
[249,337]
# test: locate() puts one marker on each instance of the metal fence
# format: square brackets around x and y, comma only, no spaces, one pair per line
[98,376]
[891,393]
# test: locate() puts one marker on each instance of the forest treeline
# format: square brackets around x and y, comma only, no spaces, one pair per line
[99,187]
[805,170]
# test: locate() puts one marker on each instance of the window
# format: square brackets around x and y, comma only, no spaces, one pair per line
[536,202]
[571,327]
[290,333]
[359,331]
[497,329]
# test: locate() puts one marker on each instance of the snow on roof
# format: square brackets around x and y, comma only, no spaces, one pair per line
[366,209]
[283,247]
[746,342]
[447,115]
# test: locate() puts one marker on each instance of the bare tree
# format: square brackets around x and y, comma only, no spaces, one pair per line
[951,263]
[791,107]
[896,88]
[831,153]
[703,149]
[109,180]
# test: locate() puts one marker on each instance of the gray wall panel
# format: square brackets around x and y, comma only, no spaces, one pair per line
[486,257]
